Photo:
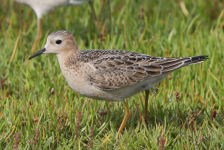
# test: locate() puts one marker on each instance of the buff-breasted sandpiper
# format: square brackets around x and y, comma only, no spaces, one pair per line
[111,75]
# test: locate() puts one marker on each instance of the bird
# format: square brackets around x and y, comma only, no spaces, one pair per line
[41,7]
[110,75]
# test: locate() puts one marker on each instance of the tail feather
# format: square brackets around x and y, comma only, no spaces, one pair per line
[195,60]
[181,62]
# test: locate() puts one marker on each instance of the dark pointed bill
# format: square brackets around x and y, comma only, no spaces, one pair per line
[38,53]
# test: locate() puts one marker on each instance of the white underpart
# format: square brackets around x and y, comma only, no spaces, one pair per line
[41,7]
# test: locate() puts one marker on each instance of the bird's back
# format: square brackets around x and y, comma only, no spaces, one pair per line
[114,69]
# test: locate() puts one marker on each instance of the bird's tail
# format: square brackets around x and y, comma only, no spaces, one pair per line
[171,64]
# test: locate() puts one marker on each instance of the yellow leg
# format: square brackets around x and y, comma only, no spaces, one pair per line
[38,36]
[126,116]
[146,103]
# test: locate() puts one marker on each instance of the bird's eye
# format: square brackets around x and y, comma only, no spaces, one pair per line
[58,41]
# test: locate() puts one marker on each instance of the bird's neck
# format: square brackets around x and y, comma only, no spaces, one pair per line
[68,59]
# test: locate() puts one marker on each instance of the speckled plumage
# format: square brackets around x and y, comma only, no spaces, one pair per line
[111,75]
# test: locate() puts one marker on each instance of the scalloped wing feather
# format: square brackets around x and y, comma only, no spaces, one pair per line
[117,71]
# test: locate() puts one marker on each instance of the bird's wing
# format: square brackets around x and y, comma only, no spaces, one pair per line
[113,72]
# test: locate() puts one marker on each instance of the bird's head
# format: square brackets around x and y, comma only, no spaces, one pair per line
[59,42]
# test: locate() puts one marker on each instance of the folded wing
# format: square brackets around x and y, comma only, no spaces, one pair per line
[122,70]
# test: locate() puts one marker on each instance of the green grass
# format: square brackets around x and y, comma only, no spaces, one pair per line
[67,120]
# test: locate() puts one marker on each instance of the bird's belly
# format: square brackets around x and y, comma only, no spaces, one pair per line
[131,90]
[85,89]
[81,85]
